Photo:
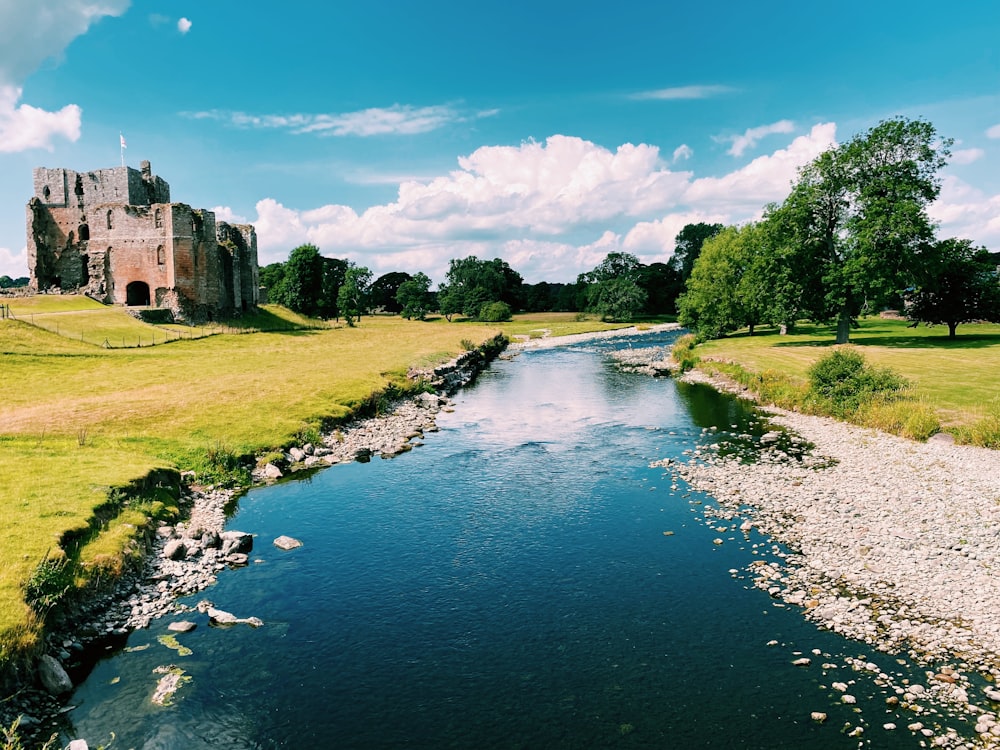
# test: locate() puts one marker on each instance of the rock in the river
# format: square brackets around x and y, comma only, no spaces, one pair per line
[78,745]
[53,676]
[182,626]
[236,541]
[286,543]
[175,549]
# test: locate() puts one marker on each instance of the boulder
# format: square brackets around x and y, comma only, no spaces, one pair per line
[272,472]
[78,745]
[235,541]
[175,549]
[286,543]
[296,454]
[181,626]
[53,676]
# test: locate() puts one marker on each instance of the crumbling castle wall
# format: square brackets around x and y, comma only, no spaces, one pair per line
[115,235]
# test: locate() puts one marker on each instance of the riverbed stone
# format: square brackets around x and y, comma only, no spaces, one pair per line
[182,626]
[52,675]
[175,549]
[287,543]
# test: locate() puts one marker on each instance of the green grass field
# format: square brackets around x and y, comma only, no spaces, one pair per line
[959,377]
[77,419]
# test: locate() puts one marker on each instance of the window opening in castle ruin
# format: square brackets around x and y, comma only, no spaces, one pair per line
[158,219]
[137,294]
[46,192]
[84,232]
[161,256]
[110,222]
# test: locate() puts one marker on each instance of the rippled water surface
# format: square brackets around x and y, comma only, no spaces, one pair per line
[507,585]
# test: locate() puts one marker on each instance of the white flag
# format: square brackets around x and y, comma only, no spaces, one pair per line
[122,140]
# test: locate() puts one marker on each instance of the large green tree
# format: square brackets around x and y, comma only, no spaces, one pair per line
[414,296]
[384,289]
[688,244]
[957,283]
[613,289]
[862,219]
[352,298]
[301,286]
[729,284]
[472,283]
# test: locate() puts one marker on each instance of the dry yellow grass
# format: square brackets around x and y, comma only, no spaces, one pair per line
[77,419]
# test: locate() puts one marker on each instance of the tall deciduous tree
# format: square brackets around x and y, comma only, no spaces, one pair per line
[414,296]
[384,289]
[958,283]
[472,283]
[613,288]
[688,244]
[861,214]
[730,283]
[352,298]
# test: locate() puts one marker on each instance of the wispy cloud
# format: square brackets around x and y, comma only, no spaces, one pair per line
[399,119]
[683,151]
[683,92]
[967,155]
[184,26]
[993,132]
[750,138]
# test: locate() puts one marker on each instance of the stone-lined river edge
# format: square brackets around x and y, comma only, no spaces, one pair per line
[186,558]
[885,540]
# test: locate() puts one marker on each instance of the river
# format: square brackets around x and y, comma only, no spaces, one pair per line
[522,580]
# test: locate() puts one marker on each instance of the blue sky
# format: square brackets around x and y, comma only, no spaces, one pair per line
[400,134]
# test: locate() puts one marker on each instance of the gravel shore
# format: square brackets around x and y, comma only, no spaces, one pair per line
[891,542]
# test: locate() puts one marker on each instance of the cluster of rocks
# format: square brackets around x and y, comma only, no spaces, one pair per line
[186,558]
[546,340]
[398,431]
[888,541]
[650,360]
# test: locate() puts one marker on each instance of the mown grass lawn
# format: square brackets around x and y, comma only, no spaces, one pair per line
[77,419]
[960,377]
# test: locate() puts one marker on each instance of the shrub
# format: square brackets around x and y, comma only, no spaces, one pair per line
[495,312]
[49,583]
[985,431]
[844,381]
[909,418]
[683,352]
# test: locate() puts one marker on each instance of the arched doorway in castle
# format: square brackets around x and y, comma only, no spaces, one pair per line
[137,294]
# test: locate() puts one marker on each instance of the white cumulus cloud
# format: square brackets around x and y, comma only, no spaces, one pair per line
[752,136]
[967,155]
[31,33]
[967,212]
[184,26]
[552,209]
[23,127]
[13,264]
[993,132]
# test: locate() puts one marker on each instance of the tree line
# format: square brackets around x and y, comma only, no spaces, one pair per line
[853,237]
[620,288]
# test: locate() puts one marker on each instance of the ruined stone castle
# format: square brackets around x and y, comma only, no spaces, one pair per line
[114,235]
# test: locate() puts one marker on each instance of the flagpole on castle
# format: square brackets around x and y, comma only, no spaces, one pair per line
[122,139]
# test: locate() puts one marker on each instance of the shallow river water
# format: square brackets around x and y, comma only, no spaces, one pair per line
[509,584]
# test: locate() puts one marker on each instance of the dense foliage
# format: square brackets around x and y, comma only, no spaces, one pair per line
[956,283]
[845,381]
[852,237]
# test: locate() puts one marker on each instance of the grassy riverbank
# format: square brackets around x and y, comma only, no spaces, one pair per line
[958,379]
[78,420]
